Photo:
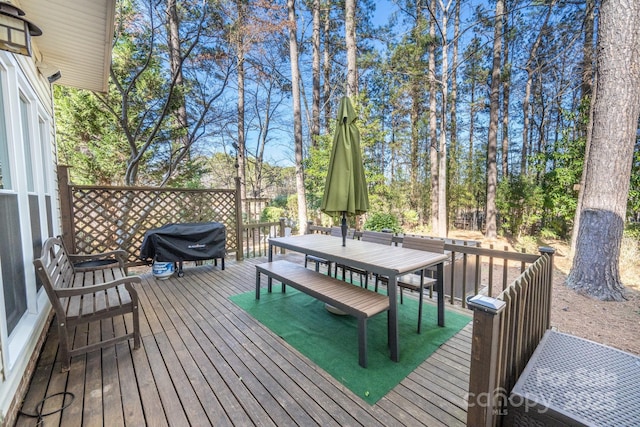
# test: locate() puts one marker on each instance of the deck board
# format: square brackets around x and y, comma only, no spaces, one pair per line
[204,361]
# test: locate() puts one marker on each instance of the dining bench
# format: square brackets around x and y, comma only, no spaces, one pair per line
[84,289]
[353,300]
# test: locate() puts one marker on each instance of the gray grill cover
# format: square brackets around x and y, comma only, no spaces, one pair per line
[185,242]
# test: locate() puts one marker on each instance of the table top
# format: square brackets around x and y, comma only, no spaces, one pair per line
[373,257]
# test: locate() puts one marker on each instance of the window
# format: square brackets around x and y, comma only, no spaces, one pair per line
[11,261]
[26,140]
[45,147]
[5,171]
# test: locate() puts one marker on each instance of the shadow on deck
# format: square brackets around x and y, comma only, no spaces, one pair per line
[204,361]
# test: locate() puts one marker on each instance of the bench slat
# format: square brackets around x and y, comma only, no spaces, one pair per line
[359,300]
[354,300]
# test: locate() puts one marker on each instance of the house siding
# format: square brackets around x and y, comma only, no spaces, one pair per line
[26,94]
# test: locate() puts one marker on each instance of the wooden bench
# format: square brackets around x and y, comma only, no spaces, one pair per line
[87,288]
[355,301]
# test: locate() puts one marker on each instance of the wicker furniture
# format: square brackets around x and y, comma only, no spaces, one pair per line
[571,381]
[98,288]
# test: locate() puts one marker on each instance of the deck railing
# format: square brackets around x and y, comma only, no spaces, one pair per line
[255,237]
[506,331]
[103,218]
[469,259]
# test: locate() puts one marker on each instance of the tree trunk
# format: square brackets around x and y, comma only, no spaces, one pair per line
[492,145]
[350,38]
[587,87]
[416,100]
[315,108]
[506,85]
[175,59]
[527,92]
[416,90]
[472,128]
[326,84]
[442,151]
[242,149]
[433,123]
[264,138]
[587,50]
[525,125]
[454,155]
[614,128]
[297,116]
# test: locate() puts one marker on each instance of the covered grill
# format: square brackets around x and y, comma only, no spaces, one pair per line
[185,242]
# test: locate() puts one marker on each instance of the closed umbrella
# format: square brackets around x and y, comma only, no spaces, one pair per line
[345,192]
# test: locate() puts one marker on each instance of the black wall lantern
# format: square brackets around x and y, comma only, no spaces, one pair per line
[15,31]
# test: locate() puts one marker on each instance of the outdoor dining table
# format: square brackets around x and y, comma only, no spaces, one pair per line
[390,261]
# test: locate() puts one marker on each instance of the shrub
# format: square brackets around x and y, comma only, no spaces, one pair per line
[279,201]
[410,218]
[271,214]
[379,221]
[632,231]
[547,233]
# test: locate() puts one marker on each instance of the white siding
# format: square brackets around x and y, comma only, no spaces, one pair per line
[27,106]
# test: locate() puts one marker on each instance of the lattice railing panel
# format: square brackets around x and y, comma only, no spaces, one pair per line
[108,218]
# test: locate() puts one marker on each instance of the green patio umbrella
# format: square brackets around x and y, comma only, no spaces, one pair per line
[345,192]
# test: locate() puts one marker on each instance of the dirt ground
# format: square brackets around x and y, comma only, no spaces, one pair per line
[616,324]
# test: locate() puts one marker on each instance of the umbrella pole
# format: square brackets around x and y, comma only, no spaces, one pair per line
[344,229]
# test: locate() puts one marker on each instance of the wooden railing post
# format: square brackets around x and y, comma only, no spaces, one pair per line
[484,361]
[545,250]
[308,229]
[281,230]
[239,245]
[66,208]
[282,233]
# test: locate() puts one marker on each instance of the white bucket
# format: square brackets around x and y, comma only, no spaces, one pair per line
[162,270]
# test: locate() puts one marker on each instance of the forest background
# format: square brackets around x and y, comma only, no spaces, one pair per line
[204,91]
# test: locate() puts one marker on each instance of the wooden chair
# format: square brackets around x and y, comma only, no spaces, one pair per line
[416,281]
[335,232]
[377,237]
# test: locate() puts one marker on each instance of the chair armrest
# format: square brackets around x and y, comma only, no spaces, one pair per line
[317,259]
[352,269]
[69,292]
[408,276]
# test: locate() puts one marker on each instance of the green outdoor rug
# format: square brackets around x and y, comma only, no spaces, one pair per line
[331,341]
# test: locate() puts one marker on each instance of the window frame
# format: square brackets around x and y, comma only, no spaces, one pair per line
[38,110]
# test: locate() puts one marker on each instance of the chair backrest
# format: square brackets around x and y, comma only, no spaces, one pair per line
[337,232]
[428,244]
[54,269]
[377,237]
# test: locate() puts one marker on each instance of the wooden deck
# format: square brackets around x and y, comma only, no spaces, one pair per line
[204,361]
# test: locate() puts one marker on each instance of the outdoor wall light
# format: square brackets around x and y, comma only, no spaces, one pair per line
[15,31]
[55,77]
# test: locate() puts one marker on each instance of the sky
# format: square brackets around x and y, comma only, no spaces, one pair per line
[281,150]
